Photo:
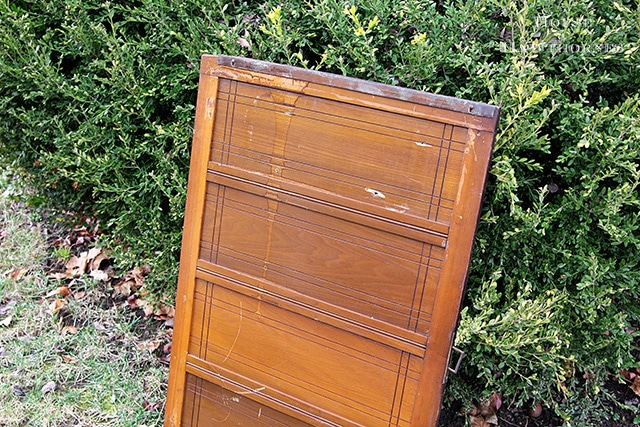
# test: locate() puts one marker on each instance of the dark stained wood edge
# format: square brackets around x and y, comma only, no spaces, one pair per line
[363,86]
[317,84]
[454,273]
[203,129]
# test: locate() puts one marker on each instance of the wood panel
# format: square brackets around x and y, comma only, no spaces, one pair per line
[328,229]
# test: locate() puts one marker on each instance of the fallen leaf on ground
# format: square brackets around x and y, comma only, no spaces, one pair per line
[484,413]
[77,265]
[150,345]
[495,401]
[167,348]
[6,321]
[48,387]
[635,386]
[626,374]
[93,254]
[17,273]
[69,329]
[131,282]
[69,359]
[133,302]
[57,305]
[478,421]
[151,406]
[125,287]
[60,290]
[100,275]
[160,311]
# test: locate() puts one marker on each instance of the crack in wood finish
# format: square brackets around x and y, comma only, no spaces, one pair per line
[328,230]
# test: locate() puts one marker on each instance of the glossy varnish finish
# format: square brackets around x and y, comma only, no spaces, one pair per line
[328,230]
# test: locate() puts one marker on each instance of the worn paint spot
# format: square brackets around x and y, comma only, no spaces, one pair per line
[423,144]
[211,104]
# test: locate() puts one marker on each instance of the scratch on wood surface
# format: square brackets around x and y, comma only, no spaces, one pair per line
[237,335]
[254,391]
[375,193]
[398,208]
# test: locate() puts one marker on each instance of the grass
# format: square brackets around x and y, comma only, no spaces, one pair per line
[89,364]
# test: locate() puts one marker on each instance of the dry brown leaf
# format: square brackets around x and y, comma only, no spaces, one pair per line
[69,359]
[492,419]
[124,287]
[6,321]
[79,295]
[100,275]
[97,262]
[77,265]
[167,348]
[93,254]
[478,421]
[147,308]
[17,273]
[635,386]
[495,401]
[159,311]
[151,406]
[133,302]
[69,329]
[59,276]
[63,291]
[150,345]
[138,274]
[57,305]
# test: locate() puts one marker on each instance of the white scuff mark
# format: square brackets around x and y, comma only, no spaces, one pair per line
[471,144]
[254,391]
[375,193]
[398,208]
[259,412]
[423,144]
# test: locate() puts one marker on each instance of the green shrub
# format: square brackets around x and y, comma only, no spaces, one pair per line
[96,105]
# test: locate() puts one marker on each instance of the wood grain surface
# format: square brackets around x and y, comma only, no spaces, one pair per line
[328,232]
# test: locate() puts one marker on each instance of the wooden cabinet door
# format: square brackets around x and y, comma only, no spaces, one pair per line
[327,237]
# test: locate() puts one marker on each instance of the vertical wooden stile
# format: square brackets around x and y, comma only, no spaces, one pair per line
[205,111]
[327,239]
